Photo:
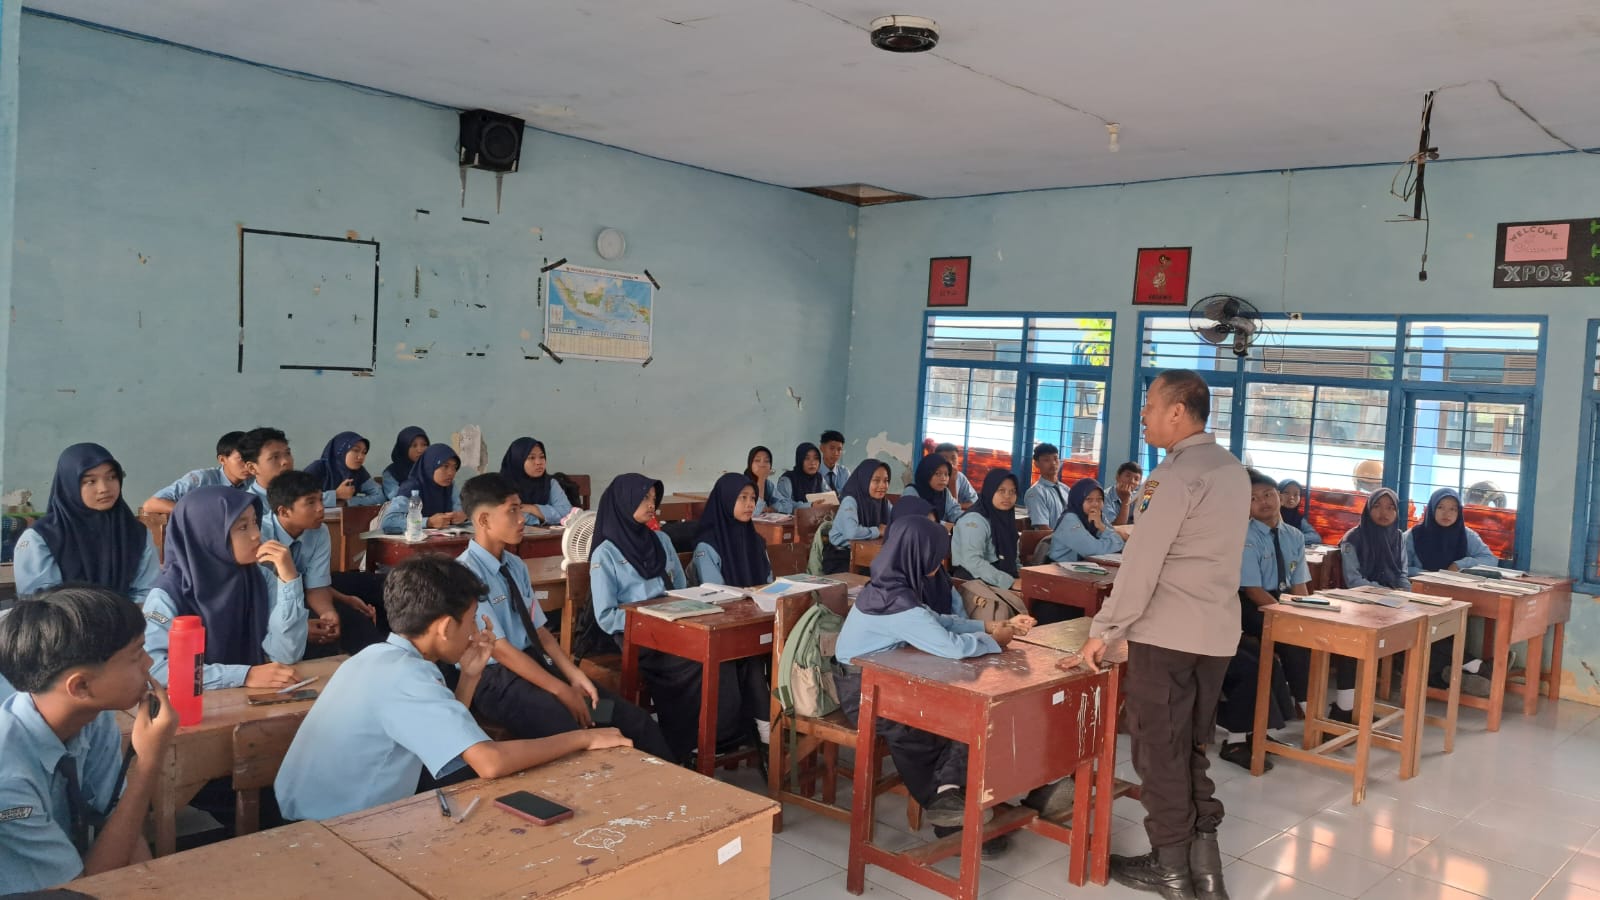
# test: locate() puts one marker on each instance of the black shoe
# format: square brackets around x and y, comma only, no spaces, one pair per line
[1164,871]
[1205,867]
[1347,716]
[992,848]
[1052,801]
[949,809]
[1238,753]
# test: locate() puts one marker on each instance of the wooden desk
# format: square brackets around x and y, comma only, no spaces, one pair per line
[204,752]
[1052,584]
[346,524]
[156,523]
[678,508]
[392,549]
[641,828]
[741,630]
[303,860]
[1443,622]
[1510,619]
[862,553]
[1327,574]
[776,533]
[1025,723]
[1368,634]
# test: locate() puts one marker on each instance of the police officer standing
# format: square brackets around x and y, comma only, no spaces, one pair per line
[1176,603]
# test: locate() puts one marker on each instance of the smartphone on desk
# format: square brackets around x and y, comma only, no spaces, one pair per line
[533,807]
[270,699]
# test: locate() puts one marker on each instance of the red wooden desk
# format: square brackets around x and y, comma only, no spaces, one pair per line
[1327,574]
[393,549]
[775,533]
[1511,619]
[345,526]
[680,508]
[1052,584]
[1025,723]
[741,630]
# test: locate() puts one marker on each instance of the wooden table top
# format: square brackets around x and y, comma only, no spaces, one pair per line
[1021,668]
[544,571]
[228,707]
[1052,570]
[1358,615]
[626,807]
[303,860]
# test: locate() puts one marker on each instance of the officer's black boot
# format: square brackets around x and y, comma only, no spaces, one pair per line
[1164,871]
[1205,867]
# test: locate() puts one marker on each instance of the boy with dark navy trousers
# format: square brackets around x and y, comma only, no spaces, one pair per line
[531,686]
[75,655]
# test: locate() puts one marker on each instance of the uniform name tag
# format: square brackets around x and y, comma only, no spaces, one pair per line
[158,618]
[15,812]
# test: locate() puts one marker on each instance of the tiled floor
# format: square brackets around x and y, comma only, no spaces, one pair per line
[1509,816]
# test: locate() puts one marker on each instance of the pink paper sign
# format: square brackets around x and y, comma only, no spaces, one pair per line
[1533,242]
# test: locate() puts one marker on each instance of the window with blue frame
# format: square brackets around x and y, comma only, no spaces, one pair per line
[1342,405]
[1586,518]
[996,385]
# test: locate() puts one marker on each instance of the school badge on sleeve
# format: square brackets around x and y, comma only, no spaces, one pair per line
[1149,491]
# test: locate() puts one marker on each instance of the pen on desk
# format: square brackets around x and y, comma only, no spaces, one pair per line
[468,811]
[297,686]
[444,803]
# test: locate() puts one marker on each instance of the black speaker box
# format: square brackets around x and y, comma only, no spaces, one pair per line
[490,140]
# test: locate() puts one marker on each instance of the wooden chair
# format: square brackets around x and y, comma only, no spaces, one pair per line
[862,553]
[353,522]
[157,524]
[1028,541]
[807,519]
[817,741]
[258,751]
[582,481]
[788,559]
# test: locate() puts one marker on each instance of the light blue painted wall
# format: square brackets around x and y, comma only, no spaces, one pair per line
[139,162]
[1311,241]
[10,20]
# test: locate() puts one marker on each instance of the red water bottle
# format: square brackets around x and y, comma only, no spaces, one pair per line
[186,660]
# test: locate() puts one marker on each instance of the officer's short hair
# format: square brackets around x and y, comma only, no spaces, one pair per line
[1187,387]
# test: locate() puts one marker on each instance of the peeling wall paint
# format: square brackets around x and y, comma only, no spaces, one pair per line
[740,264]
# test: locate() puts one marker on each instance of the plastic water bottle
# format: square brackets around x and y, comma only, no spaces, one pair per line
[186,659]
[414,520]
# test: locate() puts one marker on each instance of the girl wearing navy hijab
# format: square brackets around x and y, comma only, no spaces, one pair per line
[1291,498]
[1082,532]
[1372,553]
[890,613]
[727,551]
[1442,541]
[801,481]
[758,468]
[343,470]
[984,546]
[409,445]
[932,484]
[88,534]
[863,514]
[433,479]
[254,615]
[938,594]
[526,467]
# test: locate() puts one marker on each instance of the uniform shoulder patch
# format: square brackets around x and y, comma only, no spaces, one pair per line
[1149,491]
[15,812]
[158,618]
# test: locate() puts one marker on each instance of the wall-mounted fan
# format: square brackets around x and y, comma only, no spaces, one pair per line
[1222,319]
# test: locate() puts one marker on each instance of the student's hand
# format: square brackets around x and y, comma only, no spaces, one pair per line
[151,736]
[345,490]
[478,652]
[277,555]
[573,700]
[587,688]
[457,517]
[359,605]
[602,738]
[324,629]
[1454,568]
[438,520]
[271,676]
[1002,635]
[1021,625]
[1094,649]
[534,511]
[1124,491]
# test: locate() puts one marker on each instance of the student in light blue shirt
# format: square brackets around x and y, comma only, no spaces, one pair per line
[1372,553]
[294,518]
[727,548]
[800,482]
[863,514]
[960,488]
[629,562]
[525,466]
[409,446]
[266,455]
[387,714]
[254,633]
[76,655]
[758,468]
[893,611]
[1047,498]
[835,474]
[531,687]
[984,543]
[87,535]
[1291,496]
[932,483]
[1081,531]
[433,479]
[230,471]
[1443,542]
[1118,509]
[342,471]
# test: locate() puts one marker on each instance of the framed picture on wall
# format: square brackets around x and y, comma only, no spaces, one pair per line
[1161,277]
[947,280]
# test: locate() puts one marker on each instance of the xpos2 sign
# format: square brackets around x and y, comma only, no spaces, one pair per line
[1548,254]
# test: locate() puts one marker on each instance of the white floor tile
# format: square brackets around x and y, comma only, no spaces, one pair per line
[1305,860]
[1248,882]
[1484,877]
[1536,853]
[1584,869]
[1405,886]
[1359,837]
[833,889]
[1560,890]
[793,868]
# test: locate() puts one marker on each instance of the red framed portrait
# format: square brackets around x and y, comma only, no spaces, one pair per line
[948,278]
[1161,277]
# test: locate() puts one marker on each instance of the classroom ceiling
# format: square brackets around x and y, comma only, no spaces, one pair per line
[1016,96]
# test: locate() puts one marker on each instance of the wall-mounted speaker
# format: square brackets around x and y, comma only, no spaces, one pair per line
[490,141]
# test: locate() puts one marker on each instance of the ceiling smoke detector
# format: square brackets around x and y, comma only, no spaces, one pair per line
[904,34]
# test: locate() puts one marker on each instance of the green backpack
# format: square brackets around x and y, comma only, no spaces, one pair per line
[804,683]
[818,542]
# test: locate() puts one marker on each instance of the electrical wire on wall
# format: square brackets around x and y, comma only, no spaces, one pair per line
[1410,182]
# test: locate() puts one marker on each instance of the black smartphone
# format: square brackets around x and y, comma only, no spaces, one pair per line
[603,712]
[270,699]
[155,706]
[533,807]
